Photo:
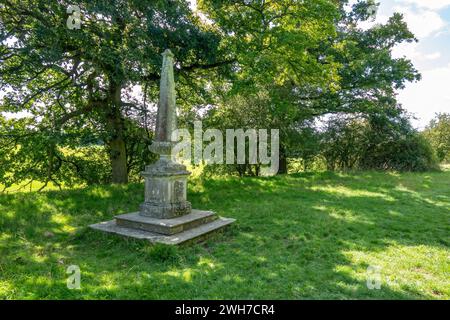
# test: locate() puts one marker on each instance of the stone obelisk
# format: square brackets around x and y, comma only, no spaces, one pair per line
[166,180]
[165,216]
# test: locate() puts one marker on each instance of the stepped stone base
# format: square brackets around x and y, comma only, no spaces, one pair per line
[195,226]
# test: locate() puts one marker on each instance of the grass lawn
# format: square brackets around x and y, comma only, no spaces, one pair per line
[301,236]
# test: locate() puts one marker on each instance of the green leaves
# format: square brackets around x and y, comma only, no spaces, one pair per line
[305,58]
[274,40]
[375,142]
[74,80]
[438,134]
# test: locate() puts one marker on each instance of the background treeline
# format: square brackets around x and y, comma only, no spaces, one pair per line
[367,143]
[360,142]
[87,96]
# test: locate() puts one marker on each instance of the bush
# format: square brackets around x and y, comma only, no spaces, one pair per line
[438,135]
[410,153]
[377,142]
[88,165]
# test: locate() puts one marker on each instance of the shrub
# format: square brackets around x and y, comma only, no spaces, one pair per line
[438,135]
[409,153]
[377,142]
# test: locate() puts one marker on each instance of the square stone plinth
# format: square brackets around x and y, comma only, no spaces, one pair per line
[193,227]
[165,226]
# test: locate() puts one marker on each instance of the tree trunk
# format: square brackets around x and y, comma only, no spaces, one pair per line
[116,143]
[118,158]
[282,169]
[283,166]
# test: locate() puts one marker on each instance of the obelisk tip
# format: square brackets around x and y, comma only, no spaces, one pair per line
[167,52]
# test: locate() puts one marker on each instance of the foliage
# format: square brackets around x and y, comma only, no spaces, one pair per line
[377,142]
[250,111]
[258,111]
[66,78]
[276,42]
[438,134]
[359,74]
[29,153]
[344,142]
[85,165]
[286,63]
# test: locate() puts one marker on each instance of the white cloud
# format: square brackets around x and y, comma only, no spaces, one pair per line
[423,23]
[408,50]
[428,4]
[413,52]
[428,96]
[433,56]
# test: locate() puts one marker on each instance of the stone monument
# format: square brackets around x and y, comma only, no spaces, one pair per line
[165,216]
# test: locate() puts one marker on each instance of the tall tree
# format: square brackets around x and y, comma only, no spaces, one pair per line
[278,45]
[314,59]
[68,77]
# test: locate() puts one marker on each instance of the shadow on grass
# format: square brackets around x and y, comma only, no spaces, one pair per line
[300,236]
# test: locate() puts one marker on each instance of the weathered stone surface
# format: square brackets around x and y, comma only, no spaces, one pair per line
[165,196]
[166,119]
[192,235]
[165,226]
[165,180]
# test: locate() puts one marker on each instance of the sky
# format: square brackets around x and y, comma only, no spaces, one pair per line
[429,20]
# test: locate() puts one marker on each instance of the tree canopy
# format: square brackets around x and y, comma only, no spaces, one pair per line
[297,60]
[73,79]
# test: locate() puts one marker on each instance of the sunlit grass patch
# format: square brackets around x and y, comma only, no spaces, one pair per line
[311,235]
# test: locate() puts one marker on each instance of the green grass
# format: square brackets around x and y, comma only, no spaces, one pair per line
[302,236]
